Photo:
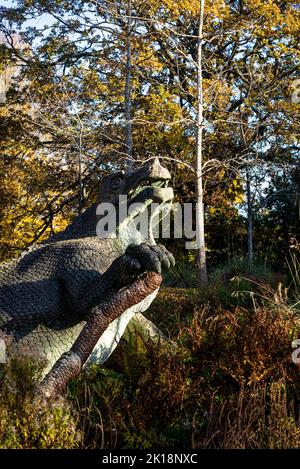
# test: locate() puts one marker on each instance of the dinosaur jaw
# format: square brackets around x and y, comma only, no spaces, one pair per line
[163,195]
[156,192]
[150,181]
[151,203]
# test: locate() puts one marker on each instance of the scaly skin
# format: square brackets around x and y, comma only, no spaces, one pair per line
[48,294]
[70,364]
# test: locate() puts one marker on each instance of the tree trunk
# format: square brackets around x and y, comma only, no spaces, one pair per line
[128,136]
[80,204]
[200,215]
[249,220]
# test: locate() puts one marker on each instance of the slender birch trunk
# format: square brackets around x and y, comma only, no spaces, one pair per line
[200,216]
[249,219]
[128,131]
[80,183]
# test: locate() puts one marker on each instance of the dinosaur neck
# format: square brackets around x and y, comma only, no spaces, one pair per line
[82,226]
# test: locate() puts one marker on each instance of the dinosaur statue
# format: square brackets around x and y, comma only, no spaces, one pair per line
[51,294]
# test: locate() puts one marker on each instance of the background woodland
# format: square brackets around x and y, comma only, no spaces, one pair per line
[90,87]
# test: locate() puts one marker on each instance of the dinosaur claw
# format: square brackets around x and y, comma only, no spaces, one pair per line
[151,257]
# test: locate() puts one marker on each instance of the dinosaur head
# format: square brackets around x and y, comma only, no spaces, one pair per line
[138,189]
[149,181]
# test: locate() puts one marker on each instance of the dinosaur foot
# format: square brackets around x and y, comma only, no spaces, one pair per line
[147,257]
[137,260]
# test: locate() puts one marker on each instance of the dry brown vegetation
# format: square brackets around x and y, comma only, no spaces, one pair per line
[226,380]
[229,383]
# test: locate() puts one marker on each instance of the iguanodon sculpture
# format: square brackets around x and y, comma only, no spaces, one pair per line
[54,294]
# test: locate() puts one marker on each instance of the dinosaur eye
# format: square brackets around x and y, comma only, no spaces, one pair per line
[116,183]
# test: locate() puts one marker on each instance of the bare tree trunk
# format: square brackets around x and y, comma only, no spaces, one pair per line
[200,216]
[128,137]
[81,197]
[249,219]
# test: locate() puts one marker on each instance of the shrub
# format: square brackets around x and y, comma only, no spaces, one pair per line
[228,382]
[27,422]
[254,418]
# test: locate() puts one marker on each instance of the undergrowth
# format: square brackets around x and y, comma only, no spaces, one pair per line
[228,382]
[225,380]
[30,423]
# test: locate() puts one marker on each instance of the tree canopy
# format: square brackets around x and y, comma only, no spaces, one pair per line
[63,122]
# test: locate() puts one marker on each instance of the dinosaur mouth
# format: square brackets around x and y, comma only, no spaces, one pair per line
[156,189]
[158,183]
[145,183]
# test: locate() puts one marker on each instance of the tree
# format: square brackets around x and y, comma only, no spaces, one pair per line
[128,87]
[249,62]
[200,217]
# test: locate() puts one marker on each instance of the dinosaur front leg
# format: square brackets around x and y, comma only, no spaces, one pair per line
[124,270]
[70,364]
[120,289]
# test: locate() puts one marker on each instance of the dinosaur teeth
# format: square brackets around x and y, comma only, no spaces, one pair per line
[160,183]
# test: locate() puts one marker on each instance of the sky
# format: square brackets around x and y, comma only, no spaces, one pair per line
[42,21]
[6,3]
